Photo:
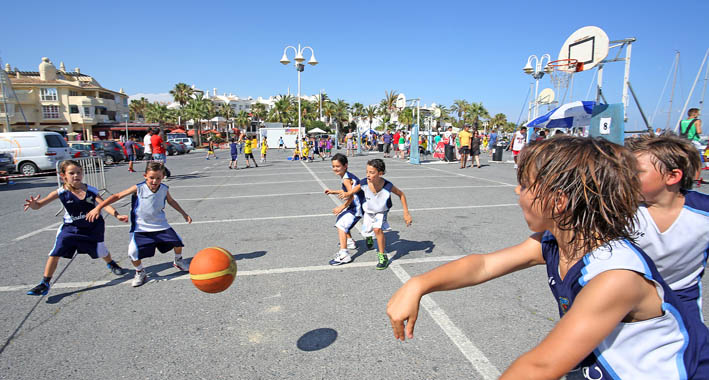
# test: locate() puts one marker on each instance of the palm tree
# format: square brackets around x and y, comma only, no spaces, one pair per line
[182,93]
[342,114]
[321,100]
[242,120]
[406,117]
[259,112]
[329,111]
[281,109]
[459,106]
[475,112]
[498,121]
[138,107]
[196,110]
[371,112]
[156,113]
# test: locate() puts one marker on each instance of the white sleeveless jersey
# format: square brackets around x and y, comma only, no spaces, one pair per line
[148,209]
[379,202]
[680,252]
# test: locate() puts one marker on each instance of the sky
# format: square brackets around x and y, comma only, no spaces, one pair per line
[436,51]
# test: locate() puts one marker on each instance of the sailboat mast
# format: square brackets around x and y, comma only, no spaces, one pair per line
[704,90]
[672,93]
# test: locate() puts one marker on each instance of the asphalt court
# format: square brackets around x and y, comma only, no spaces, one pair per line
[288,314]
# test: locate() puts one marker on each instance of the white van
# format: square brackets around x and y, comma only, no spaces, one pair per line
[35,151]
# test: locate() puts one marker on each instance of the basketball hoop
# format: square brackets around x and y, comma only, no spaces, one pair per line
[562,70]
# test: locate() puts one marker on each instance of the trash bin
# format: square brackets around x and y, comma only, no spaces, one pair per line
[497,154]
[381,147]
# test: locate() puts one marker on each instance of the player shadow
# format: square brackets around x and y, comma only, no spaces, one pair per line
[396,247]
[317,339]
[187,176]
[56,298]
[250,255]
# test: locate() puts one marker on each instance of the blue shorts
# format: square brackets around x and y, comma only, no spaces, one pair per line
[131,157]
[159,157]
[143,244]
[71,239]
[234,157]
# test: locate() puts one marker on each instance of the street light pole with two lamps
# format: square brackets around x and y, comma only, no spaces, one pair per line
[537,72]
[299,66]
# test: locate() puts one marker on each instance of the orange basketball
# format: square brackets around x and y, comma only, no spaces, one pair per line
[212,270]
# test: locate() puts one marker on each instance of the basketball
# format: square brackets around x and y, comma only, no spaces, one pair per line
[212,270]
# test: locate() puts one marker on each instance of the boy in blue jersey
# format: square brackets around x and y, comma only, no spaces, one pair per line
[149,228]
[77,233]
[619,319]
[673,221]
[349,212]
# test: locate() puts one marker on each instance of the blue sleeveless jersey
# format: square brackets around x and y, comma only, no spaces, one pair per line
[358,198]
[672,346]
[75,222]
[147,212]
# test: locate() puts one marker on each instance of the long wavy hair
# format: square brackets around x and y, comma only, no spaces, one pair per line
[597,178]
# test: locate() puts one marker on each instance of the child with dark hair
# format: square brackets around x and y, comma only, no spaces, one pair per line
[579,196]
[375,207]
[673,221]
[234,148]
[349,213]
[149,227]
[77,233]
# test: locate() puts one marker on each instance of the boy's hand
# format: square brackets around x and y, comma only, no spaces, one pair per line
[328,191]
[93,215]
[337,210]
[123,218]
[403,307]
[31,203]
[344,195]
[407,219]
[187,219]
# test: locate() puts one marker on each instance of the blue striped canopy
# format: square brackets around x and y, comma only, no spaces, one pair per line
[569,115]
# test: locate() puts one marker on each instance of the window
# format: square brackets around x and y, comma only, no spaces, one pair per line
[105,95]
[87,112]
[48,94]
[73,93]
[73,109]
[50,112]
[54,141]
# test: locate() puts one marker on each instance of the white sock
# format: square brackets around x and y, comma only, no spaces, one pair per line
[139,268]
[178,257]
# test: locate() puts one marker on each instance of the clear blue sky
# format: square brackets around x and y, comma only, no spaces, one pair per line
[438,51]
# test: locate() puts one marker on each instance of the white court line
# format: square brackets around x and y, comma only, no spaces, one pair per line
[470,176]
[320,192]
[302,180]
[241,273]
[50,227]
[480,362]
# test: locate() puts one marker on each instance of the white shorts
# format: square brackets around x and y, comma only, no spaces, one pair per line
[346,220]
[372,221]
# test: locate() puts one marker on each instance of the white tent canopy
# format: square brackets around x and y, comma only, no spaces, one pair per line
[316,130]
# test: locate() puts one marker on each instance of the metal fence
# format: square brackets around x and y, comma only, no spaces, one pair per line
[94,173]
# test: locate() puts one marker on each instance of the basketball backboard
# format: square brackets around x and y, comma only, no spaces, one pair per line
[546,96]
[401,101]
[588,45]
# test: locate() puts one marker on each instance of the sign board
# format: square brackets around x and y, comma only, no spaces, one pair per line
[607,122]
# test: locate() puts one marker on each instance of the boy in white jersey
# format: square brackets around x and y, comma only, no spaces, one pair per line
[149,227]
[375,207]
[619,319]
[673,221]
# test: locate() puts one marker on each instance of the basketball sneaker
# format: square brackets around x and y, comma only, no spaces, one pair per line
[383,260]
[39,290]
[341,257]
[115,269]
[181,265]
[140,278]
[351,244]
[370,242]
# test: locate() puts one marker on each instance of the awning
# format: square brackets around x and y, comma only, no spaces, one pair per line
[569,115]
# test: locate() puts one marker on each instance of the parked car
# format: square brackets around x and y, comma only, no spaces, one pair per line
[35,151]
[113,151]
[186,140]
[139,151]
[170,149]
[179,146]
[7,163]
[76,153]
[92,148]
[187,147]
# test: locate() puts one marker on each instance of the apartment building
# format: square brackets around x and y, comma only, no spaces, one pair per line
[68,102]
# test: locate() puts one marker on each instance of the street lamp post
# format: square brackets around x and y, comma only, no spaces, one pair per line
[299,66]
[537,72]
[126,116]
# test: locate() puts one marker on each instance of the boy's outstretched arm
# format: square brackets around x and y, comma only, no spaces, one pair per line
[350,192]
[35,203]
[407,216]
[172,202]
[467,271]
[94,214]
[600,306]
[113,211]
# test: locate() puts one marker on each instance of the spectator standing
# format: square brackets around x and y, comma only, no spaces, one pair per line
[148,152]
[519,139]
[386,139]
[158,146]
[465,137]
[491,141]
[130,150]
[395,143]
[450,145]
